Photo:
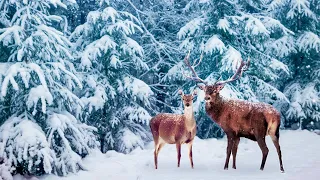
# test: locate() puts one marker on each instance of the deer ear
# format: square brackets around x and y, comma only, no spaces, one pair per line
[195,93]
[201,86]
[220,87]
[180,92]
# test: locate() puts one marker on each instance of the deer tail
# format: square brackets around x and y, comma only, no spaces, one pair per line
[273,127]
[154,127]
[268,129]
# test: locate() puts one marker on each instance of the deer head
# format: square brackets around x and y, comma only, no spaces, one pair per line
[187,99]
[211,91]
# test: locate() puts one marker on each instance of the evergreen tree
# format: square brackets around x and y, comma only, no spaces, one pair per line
[301,51]
[117,101]
[226,32]
[40,133]
[160,21]
[75,14]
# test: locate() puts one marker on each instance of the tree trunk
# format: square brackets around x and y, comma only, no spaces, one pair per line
[102,142]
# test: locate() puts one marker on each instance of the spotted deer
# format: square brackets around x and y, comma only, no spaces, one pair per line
[175,128]
[239,118]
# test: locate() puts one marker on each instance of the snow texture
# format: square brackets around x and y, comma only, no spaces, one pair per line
[309,40]
[224,25]
[5,173]
[231,60]
[214,44]
[190,28]
[304,102]
[209,156]
[134,87]
[69,139]
[23,143]
[283,46]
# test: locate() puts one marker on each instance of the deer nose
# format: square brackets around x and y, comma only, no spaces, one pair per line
[187,104]
[207,98]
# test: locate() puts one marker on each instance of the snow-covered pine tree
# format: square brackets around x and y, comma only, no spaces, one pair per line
[302,52]
[75,13]
[40,133]
[5,173]
[117,102]
[226,32]
[160,21]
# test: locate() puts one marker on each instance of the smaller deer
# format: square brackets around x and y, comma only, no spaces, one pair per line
[175,129]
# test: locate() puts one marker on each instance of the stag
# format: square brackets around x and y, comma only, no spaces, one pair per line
[175,128]
[239,118]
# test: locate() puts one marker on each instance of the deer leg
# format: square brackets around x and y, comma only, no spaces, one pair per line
[178,145]
[190,153]
[234,151]
[156,146]
[229,147]
[156,153]
[263,146]
[160,147]
[275,141]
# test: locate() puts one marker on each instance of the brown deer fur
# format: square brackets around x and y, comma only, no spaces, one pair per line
[175,129]
[243,119]
[240,118]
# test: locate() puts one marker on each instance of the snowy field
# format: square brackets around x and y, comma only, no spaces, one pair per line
[300,154]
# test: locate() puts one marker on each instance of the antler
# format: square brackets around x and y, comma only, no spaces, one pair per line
[243,67]
[195,76]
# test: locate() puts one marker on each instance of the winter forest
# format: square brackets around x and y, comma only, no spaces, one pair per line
[80,75]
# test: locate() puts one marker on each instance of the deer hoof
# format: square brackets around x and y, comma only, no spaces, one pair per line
[234,167]
[225,168]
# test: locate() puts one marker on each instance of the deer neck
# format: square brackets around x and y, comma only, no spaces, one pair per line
[189,116]
[214,108]
[219,100]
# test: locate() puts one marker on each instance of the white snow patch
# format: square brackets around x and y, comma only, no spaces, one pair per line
[255,27]
[278,65]
[97,101]
[190,28]
[231,60]
[40,92]
[214,44]
[307,41]
[130,140]
[136,88]
[223,24]
[23,141]
[209,156]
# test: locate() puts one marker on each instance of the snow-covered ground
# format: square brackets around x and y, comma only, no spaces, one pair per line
[300,150]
